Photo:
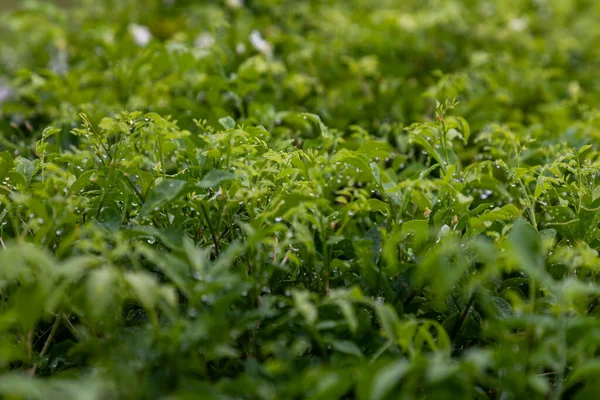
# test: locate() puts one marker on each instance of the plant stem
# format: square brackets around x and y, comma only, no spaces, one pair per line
[47,343]
[30,343]
[71,328]
[463,317]
[326,258]
[530,205]
[210,227]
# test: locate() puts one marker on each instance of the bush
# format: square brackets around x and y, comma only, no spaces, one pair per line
[346,199]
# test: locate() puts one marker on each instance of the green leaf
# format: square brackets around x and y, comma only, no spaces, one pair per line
[110,218]
[102,291]
[165,192]
[289,202]
[6,163]
[483,221]
[349,314]
[376,172]
[305,307]
[227,122]
[418,138]
[215,177]
[418,229]
[374,235]
[388,319]
[82,182]
[527,246]
[27,168]
[315,120]
[527,243]
[565,221]
[584,148]
[49,131]
[347,347]
[362,168]
[387,378]
[144,288]
[502,307]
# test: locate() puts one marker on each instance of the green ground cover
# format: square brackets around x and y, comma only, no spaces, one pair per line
[268,199]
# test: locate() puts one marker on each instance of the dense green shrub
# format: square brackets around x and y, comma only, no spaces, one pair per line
[346,199]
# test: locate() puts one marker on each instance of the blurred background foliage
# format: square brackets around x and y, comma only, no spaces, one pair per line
[375,64]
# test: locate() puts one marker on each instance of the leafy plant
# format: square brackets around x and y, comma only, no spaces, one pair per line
[353,200]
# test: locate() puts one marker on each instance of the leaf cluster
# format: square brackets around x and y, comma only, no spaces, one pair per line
[353,200]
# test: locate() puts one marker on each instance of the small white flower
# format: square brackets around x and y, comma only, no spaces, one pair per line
[445,229]
[240,48]
[259,43]
[141,34]
[574,88]
[204,41]
[234,4]
[518,24]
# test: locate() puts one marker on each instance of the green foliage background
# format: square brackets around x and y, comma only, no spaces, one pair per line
[349,199]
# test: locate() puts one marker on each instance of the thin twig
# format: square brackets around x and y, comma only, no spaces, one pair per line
[24,223]
[275,251]
[285,258]
[47,344]
[3,187]
[210,228]
[463,317]
[30,343]
[137,193]
[381,350]
[71,328]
